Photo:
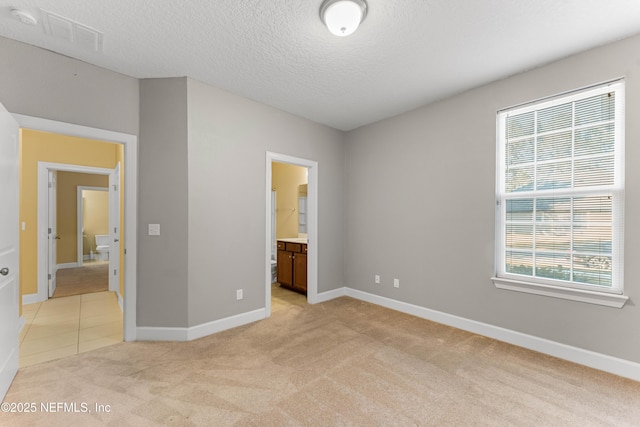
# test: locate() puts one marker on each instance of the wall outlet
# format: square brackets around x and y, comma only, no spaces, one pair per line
[396,283]
[239,295]
[377,279]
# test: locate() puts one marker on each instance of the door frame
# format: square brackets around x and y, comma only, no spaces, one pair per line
[115,230]
[312,225]
[44,170]
[130,143]
[80,221]
[50,195]
[10,321]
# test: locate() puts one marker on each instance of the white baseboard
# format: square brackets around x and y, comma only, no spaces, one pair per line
[209,328]
[145,333]
[8,371]
[120,301]
[329,295]
[158,333]
[67,265]
[30,299]
[603,362]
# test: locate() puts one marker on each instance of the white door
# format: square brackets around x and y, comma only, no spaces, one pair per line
[52,267]
[9,295]
[114,230]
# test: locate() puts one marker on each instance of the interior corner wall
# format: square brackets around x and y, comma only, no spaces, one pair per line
[163,190]
[421,207]
[228,139]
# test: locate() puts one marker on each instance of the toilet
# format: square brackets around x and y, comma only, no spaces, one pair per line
[102,247]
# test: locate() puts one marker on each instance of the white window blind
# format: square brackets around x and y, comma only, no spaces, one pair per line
[560,189]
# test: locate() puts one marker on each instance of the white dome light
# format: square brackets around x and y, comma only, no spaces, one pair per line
[342,17]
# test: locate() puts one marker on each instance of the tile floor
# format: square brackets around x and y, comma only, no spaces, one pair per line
[62,327]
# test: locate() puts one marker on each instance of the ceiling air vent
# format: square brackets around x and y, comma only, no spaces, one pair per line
[73,32]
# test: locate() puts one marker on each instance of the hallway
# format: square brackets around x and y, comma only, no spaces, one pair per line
[92,277]
[66,326]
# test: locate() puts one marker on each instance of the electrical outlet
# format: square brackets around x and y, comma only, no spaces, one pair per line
[396,283]
[377,279]
[239,295]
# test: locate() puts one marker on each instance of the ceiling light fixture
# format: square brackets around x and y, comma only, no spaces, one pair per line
[342,17]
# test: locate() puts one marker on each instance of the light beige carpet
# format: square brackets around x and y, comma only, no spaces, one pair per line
[82,280]
[339,363]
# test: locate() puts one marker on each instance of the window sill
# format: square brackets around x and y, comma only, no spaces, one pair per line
[591,297]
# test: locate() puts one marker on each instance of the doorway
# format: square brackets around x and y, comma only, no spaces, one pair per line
[83,198]
[311,225]
[289,236]
[92,220]
[80,310]
[49,236]
[290,188]
[130,144]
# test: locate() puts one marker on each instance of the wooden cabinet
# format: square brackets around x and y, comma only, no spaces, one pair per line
[292,265]
[285,268]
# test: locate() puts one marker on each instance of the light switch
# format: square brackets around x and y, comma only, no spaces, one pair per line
[154,229]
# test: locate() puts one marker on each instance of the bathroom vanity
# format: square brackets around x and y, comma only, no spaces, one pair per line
[292,264]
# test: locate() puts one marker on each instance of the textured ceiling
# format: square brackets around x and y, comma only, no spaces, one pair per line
[406,53]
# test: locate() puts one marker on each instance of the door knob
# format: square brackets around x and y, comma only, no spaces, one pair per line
[4,271]
[116,240]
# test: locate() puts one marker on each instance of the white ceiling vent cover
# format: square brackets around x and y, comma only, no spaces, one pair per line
[80,35]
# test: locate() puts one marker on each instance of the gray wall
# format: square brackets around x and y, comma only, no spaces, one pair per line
[202,178]
[228,140]
[402,193]
[420,207]
[43,84]
[219,220]
[163,199]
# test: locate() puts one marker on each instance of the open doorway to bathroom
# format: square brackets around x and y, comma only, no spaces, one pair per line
[291,268]
[93,224]
[83,262]
[289,235]
[57,213]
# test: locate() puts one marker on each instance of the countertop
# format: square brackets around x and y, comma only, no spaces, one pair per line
[294,240]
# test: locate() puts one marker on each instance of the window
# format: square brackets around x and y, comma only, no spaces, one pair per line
[560,196]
